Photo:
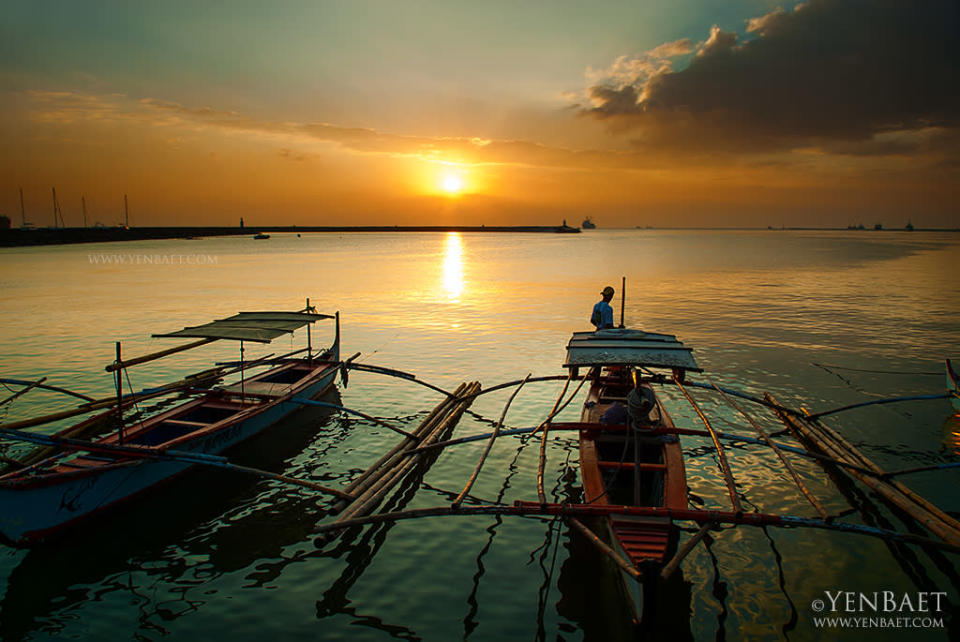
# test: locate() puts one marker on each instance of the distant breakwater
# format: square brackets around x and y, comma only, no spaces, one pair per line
[56,236]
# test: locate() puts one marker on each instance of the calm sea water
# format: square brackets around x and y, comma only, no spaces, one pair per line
[819,319]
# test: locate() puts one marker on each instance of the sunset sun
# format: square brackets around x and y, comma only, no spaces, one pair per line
[452,184]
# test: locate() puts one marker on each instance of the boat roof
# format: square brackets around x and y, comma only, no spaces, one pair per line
[263,327]
[627,347]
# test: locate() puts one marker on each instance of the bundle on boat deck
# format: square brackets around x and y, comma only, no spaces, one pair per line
[376,482]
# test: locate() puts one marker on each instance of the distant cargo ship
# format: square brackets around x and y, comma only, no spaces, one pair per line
[588,224]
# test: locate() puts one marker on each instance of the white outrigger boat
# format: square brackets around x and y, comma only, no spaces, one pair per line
[83,479]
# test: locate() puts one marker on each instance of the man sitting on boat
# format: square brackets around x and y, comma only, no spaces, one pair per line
[602,316]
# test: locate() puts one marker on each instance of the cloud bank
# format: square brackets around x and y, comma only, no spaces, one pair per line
[849,76]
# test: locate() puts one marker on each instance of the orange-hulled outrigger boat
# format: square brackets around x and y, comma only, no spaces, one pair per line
[628,456]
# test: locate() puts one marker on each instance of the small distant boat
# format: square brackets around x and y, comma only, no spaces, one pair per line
[260,236]
[588,224]
[909,226]
[952,382]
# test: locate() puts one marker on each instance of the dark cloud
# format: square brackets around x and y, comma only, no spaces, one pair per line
[828,71]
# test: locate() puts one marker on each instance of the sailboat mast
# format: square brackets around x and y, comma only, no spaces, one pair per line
[54,189]
[126,212]
[23,212]
[83,206]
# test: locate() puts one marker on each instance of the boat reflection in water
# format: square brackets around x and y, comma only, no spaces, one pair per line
[169,542]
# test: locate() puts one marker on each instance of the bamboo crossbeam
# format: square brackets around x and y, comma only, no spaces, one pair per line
[113,367]
[604,548]
[776,449]
[535,509]
[895,493]
[721,454]
[486,451]
[685,550]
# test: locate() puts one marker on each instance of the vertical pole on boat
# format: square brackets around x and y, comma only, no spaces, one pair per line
[54,190]
[126,212]
[242,393]
[119,383]
[23,212]
[635,433]
[309,357]
[83,206]
[336,336]
[623,298]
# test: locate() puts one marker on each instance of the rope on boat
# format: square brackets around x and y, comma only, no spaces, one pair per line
[721,454]
[531,509]
[486,451]
[776,449]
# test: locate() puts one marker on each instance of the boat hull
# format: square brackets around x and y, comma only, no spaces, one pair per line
[953,380]
[612,458]
[35,507]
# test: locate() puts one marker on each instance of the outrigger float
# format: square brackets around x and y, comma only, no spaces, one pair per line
[635,503]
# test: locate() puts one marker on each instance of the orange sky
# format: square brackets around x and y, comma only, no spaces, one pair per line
[635,116]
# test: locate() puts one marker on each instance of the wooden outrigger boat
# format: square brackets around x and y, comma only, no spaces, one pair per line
[952,386]
[626,457]
[41,499]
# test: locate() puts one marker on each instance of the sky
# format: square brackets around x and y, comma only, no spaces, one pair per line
[672,113]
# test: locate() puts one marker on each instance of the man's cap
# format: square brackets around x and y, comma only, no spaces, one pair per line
[607,291]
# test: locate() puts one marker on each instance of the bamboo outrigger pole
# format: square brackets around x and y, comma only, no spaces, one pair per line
[721,454]
[834,445]
[496,432]
[776,449]
[22,391]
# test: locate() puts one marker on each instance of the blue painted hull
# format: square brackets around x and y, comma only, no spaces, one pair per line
[34,507]
[952,386]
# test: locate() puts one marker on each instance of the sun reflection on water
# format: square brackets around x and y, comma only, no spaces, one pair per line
[453,267]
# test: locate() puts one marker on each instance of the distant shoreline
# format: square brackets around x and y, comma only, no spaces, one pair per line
[18,237]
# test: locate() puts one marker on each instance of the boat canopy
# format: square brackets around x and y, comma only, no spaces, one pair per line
[626,347]
[263,327]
